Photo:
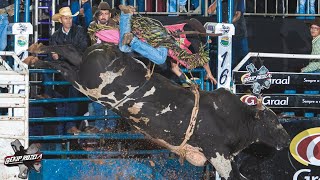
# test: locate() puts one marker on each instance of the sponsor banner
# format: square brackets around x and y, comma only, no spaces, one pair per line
[305,148]
[282,78]
[284,101]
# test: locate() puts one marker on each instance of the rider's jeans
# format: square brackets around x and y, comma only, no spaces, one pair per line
[156,55]
[3,31]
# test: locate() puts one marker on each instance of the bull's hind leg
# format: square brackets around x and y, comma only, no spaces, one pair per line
[226,167]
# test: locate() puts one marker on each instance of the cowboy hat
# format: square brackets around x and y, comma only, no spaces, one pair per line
[104,6]
[65,11]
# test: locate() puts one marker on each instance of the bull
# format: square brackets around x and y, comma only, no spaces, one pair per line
[161,109]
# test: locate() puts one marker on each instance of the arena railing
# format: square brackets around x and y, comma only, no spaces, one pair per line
[290,93]
[81,136]
[281,8]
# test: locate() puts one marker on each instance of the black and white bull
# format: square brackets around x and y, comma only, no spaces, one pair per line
[162,109]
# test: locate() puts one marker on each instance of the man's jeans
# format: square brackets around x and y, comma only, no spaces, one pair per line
[96,109]
[173,5]
[3,31]
[309,9]
[156,55]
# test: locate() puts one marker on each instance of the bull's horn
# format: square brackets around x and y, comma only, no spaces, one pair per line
[260,106]
[36,48]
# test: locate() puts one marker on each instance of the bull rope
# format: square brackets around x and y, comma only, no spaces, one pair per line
[192,123]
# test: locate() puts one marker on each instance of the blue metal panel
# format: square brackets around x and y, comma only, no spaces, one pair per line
[88,136]
[74,118]
[155,168]
[57,100]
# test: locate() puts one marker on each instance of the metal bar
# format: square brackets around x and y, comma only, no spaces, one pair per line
[50,83]
[53,10]
[75,118]
[43,71]
[43,7]
[16,11]
[88,136]
[230,11]
[273,14]
[265,6]
[58,100]
[274,55]
[110,153]
[44,22]
[193,70]
[36,19]
[287,6]
[219,11]
[27,11]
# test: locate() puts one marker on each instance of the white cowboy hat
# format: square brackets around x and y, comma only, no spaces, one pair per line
[65,11]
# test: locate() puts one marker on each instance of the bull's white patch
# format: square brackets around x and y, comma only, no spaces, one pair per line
[135,108]
[150,92]
[145,120]
[215,106]
[107,78]
[136,120]
[222,165]
[166,130]
[131,90]
[165,110]
[140,62]
[279,126]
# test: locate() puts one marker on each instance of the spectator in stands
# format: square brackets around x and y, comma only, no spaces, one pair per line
[102,21]
[314,65]
[85,13]
[5,10]
[173,6]
[240,37]
[68,34]
[304,8]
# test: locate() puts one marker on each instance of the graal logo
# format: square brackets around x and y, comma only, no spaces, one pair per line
[305,148]
[267,101]
[26,159]
[249,100]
